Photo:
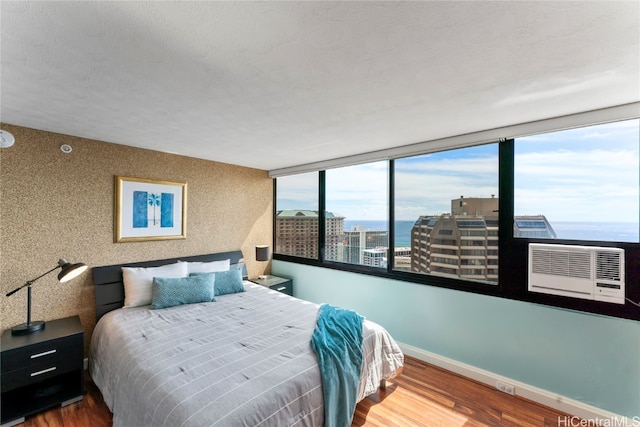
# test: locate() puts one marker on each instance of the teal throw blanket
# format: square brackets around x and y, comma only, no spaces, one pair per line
[337,342]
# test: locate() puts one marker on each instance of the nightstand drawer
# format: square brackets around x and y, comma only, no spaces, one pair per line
[49,352]
[24,377]
[285,287]
[41,363]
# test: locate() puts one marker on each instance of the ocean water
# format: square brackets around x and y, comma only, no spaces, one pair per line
[603,231]
[598,231]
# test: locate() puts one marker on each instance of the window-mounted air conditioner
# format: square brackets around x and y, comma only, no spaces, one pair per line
[587,272]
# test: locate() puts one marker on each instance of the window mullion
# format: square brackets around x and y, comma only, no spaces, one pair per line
[391,256]
[505,212]
[321,216]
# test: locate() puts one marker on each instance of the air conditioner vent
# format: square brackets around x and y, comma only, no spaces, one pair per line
[608,265]
[561,263]
[586,272]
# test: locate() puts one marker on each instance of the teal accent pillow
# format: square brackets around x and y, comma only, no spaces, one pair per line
[226,282]
[169,292]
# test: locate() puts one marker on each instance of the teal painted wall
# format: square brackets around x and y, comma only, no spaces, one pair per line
[590,358]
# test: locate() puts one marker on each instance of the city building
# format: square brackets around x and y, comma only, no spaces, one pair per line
[297,234]
[375,257]
[402,259]
[359,239]
[378,258]
[464,243]
[533,226]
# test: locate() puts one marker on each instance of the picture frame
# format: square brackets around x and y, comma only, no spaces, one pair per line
[149,209]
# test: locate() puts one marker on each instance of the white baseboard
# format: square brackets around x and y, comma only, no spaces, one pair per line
[579,409]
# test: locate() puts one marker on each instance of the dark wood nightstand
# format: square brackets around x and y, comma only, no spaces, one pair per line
[276,283]
[42,369]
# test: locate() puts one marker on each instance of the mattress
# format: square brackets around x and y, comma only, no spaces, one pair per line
[243,360]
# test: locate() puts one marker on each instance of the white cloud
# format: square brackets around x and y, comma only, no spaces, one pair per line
[358,192]
[594,185]
[427,186]
[298,192]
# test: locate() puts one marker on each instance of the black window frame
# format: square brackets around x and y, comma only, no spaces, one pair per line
[512,260]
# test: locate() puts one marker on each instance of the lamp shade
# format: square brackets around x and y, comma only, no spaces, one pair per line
[69,271]
[262,253]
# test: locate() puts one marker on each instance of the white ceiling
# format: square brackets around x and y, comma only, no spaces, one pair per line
[277,84]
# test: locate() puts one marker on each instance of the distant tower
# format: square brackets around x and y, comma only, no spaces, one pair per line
[533,226]
[361,239]
[297,234]
[464,244]
[475,206]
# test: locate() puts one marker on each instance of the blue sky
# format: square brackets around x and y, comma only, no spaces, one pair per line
[586,174]
[298,192]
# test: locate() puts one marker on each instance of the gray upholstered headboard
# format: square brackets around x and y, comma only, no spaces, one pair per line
[110,288]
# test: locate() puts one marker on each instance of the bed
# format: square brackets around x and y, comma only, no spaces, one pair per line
[243,360]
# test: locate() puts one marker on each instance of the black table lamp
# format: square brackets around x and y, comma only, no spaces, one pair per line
[262,253]
[68,271]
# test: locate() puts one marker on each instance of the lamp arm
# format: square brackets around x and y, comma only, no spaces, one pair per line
[17,289]
[30,282]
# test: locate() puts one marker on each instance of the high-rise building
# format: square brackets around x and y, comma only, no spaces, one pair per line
[297,233]
[402,259]
[533,226]
[456,246]
[375,257]
[475,206]
[359,239]
[333,236]
[464,243]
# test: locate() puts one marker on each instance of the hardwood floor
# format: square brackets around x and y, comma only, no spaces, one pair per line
[423,395]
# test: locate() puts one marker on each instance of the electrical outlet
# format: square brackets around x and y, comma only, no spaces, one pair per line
[506,387]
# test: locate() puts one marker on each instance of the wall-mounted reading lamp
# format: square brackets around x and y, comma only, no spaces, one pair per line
[68,272]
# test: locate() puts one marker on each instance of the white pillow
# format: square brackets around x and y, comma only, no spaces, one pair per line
[138,280]
[207,267]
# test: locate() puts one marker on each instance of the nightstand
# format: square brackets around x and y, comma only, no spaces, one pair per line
[41,369]
[276,283]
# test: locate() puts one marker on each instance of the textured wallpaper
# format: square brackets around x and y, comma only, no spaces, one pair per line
[55,205]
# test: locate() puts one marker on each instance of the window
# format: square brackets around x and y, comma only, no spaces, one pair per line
[463,218]
[356,223]
[579,184]
[445,203]
[296,217]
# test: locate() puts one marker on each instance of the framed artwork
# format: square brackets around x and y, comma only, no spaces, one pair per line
[149,209]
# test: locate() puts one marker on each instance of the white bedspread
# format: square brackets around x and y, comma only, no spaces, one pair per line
[244,360]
